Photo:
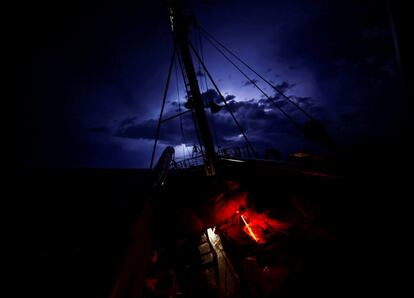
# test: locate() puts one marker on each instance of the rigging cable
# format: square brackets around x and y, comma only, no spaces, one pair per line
[188,97]
[157,133]
[211,38]
[224,101]
[257,86]
[213,123]
[179,107]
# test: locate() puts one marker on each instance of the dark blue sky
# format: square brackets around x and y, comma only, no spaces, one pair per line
[95,73]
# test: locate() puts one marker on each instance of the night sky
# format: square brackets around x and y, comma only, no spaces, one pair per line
[95,74]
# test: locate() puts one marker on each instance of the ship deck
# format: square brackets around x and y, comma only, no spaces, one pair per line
[84,224]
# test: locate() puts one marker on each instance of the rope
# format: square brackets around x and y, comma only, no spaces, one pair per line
[224,100]
[206,86]
[257,86]
[157,133]
[188,96]
[211,38]
[179,107]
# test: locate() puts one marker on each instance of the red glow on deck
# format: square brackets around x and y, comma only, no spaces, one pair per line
[258,225]
[249,230]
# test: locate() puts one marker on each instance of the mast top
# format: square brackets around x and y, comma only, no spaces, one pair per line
[180,25]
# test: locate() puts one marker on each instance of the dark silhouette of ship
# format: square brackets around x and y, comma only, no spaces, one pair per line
[224,223]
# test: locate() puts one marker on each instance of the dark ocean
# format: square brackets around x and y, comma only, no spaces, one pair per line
[77,227]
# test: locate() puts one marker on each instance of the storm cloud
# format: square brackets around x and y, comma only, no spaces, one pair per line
[93,81]
[262,122]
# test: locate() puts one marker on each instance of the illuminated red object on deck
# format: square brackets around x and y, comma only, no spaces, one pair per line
[254,231]
[249,230]
[257,225]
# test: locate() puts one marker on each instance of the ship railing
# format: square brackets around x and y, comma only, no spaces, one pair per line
[235,151]
[198,160]
[193,161]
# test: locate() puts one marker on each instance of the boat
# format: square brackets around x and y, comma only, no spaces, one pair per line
[224,223]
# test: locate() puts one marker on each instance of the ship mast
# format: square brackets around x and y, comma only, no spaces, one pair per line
[180,25]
